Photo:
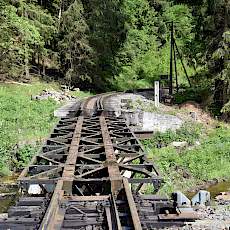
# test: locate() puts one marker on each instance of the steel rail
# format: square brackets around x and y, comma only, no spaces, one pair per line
[90,172]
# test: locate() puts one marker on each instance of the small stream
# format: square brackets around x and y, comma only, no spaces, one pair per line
[214,190]
[7,186]
[218,188]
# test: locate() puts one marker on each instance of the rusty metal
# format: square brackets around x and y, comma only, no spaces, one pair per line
[132,206]
[142,135]
[111,160]
[69,169]
[91,171]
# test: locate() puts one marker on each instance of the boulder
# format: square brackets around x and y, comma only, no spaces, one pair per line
[225,196]
[179,144]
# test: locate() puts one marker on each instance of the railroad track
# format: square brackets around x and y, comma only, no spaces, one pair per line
[90,174]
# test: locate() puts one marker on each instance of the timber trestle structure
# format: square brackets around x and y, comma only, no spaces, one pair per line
[90,174]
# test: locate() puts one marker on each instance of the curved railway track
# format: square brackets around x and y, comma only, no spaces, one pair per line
[88,175]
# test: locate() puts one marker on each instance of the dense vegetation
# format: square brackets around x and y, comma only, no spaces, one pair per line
[118,44]
[185,168]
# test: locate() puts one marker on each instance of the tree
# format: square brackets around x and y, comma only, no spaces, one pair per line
[25,30]
[145,53]
[107,32]
[213,29]
[76,53]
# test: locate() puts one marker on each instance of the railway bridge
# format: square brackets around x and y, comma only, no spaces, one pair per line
[90,174]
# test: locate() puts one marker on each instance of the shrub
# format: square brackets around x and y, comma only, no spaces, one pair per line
[189,132]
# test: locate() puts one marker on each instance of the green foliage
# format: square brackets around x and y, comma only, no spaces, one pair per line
[210,160]
[22,119]
[24,32]
[24,155]
[107,32]
[74,46]
[197,94]
[189,132]
[211,46]
[183,21]
[226,108]
[115,44]
[145,54]
[140,43]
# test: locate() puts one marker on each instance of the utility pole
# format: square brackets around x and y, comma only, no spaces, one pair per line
[173,50]
[171,61]
[175,67]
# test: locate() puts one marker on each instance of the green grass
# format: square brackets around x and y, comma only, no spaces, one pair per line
[24,120]
[81,94]
[189,132]
[184,169]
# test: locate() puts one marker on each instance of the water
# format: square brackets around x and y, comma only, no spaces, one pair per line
[214,189]
[5,203]
[6,187]
[218,188]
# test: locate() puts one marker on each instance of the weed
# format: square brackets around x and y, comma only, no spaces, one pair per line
[22,119]
[188,132]
[184,170]
[24,154]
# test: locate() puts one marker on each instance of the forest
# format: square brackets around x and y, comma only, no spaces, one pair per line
[86,47]
[104,45]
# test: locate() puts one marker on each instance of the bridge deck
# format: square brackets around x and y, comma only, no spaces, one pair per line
[88,175]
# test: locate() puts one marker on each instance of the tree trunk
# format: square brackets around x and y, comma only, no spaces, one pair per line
[219,94]
[26,53]
[26,61]
[43,68]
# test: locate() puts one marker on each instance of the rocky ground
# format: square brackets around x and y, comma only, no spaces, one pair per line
[142,114]
[59,96]
[215,217]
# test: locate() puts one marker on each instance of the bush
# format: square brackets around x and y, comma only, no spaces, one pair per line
[189,132]
[184,170]
[24,155]
[191,94]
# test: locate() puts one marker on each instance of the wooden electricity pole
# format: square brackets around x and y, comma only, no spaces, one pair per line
[171,61]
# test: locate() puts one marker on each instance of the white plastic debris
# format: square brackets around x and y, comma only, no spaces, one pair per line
[34,189]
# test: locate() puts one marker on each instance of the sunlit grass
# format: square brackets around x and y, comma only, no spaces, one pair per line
[22,118]
[184,169]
